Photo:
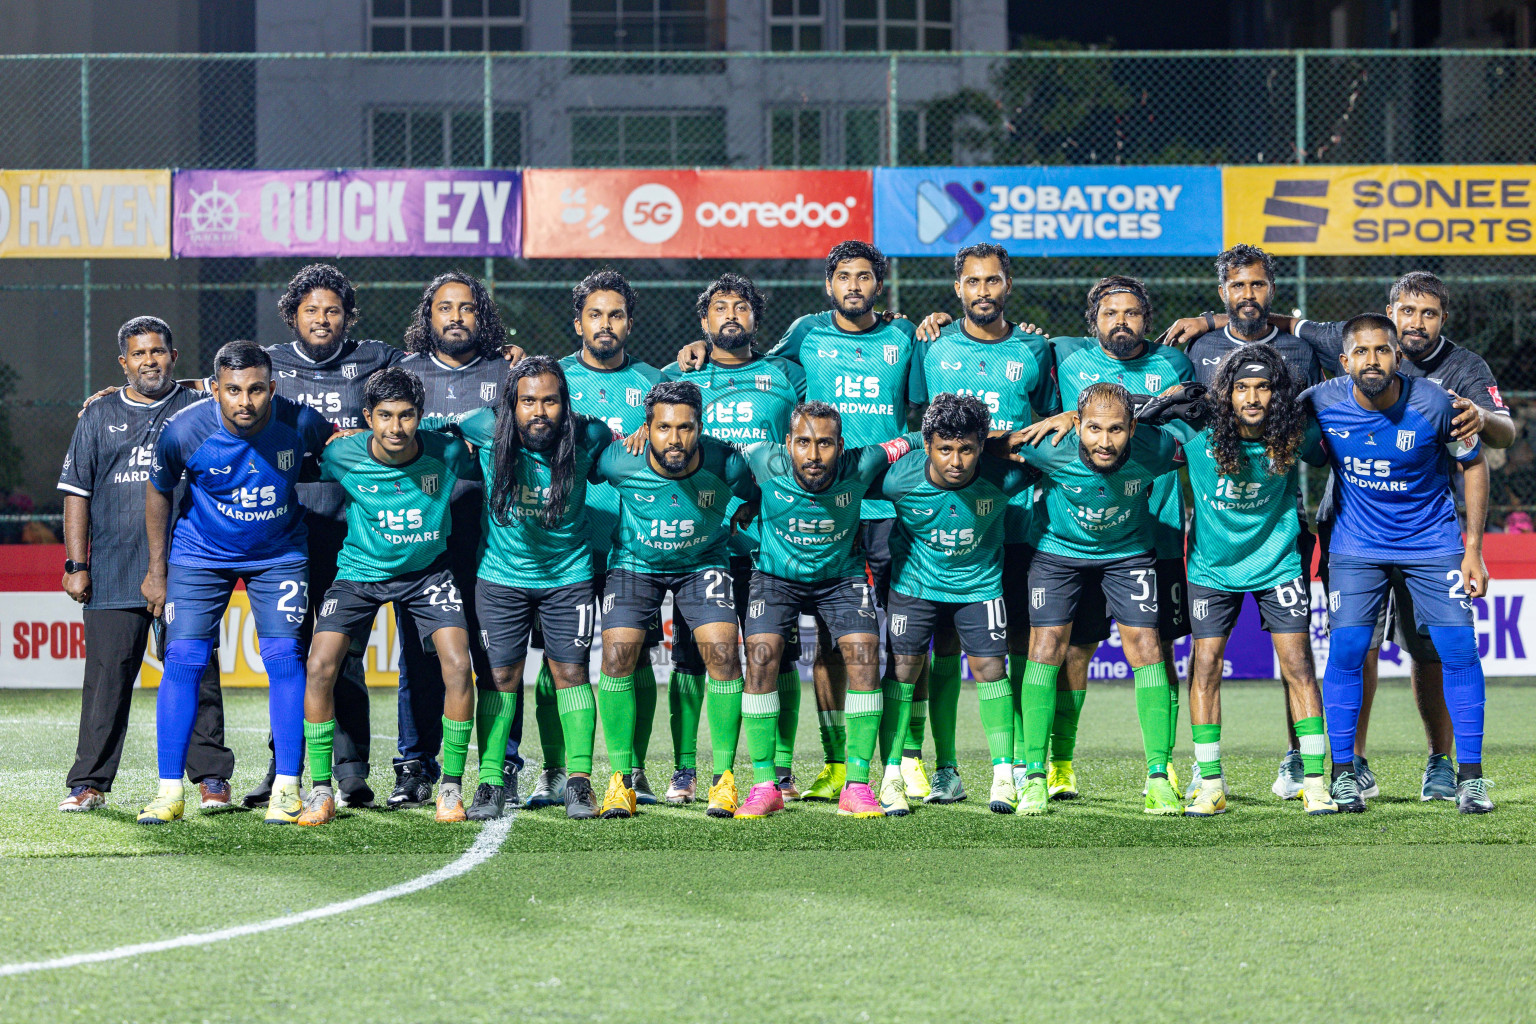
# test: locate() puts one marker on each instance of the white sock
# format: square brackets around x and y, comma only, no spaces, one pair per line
[893,771]
[171,787]
[280,781]
[1002,772]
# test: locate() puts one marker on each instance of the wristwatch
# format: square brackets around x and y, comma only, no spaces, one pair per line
[72,566]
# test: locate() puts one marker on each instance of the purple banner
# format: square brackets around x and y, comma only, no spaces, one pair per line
[348,213]
[1249,654]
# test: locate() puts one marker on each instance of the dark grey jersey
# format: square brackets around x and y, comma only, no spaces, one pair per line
[453,392]
[108,462]
[1207,352]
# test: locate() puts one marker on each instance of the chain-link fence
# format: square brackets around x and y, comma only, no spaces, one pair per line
[722,110]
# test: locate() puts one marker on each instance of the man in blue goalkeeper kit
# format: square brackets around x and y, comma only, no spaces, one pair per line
[1391,440]
[241,455]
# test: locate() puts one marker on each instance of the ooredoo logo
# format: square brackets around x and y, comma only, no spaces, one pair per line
[794,214]
[653,213]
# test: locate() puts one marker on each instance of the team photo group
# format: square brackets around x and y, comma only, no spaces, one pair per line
[919,490]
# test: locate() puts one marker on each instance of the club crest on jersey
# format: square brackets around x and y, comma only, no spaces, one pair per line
[349,371]
[487,391]
[1199,608]
[1013,370]
[285,459]
[898,625]
[764,381]
[328,608]
[1154,382]
[429,483]
[983,506]
[843,500]
[706,499]
[1404,440]
[755,609]
[892,354]
[1132,488]
[1037,597]
[632,396]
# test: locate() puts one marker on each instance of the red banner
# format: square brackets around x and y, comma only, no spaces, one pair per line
[693,214]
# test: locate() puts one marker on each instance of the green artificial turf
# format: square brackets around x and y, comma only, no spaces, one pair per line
[1094,912]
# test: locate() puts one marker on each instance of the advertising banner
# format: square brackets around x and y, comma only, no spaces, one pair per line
[1049,211]
[438,212]
[693,214]
[1418,210]
[85,214]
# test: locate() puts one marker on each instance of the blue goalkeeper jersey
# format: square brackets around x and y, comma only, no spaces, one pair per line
[245,511]
[1394,487]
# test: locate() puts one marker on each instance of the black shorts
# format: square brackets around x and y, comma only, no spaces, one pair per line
[844,606]
[1016,559]
[1396,623]
[1172,600]
[429,595]
[507,614]
[875,541]
[632,600]
[685,650]
[981,625]
[1283,609]
[1057,584]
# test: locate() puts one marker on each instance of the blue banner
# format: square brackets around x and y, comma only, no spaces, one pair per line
[1049,211]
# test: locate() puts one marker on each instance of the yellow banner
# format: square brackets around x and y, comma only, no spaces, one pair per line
[240,655]
[1417,210]
[78,214]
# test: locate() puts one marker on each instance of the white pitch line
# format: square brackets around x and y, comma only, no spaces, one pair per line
[484,848]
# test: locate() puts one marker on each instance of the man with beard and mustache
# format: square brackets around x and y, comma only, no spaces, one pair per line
[1245,276]
[1388,437]
[864,366]
[535,456]
[748,398]
[106,556]
[675,502]
[454,345]
[1097,537]
[813,490]
[1119,311]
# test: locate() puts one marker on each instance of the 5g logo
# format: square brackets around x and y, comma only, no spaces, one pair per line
[653,213]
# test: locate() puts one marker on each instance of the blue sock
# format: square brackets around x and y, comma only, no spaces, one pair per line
[176,703]
[1343,685]
[285,701]
[1464,688]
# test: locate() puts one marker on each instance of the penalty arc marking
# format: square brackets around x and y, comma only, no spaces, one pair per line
[483,849]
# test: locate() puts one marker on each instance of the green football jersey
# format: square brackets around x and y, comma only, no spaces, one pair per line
[809,536]
[1012,376]
[397,516]
[948,543]
[674,525]
[1083,361]
[617,397]
[524,552]
[1096,515]
[869,377]
[1244,534]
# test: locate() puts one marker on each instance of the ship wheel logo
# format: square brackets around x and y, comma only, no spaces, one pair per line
[213,212]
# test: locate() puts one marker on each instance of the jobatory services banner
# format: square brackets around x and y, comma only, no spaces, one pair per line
[438,212]
[85,214]
[1049,211]
[1418,210]
[694,214]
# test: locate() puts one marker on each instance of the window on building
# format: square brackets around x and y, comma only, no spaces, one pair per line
[919,139]
[647,25]
[421,26]
[684,138]
[898,25]
[443,138]
[795,137]
[795,25]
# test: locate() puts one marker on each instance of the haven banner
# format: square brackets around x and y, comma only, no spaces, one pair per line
[1049,211]
[348,213]
[85,214]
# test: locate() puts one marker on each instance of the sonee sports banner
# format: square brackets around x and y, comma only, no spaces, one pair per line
[694,214]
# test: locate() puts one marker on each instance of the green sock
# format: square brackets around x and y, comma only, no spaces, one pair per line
[1309,733]
[318,740]
[996,700]
[645,708]
[1152,711]
[546,711]
[1038,701]
[1069,708]
[834,735]
[455,746]
[1173,706]
[760,720]
[493,723]
[895,718]
[724,708]
[789,719]
[578,721]
[917,722]
[944,708]
[1016,692]
[864,707]
[616,707]
[1208,749]
[685,702]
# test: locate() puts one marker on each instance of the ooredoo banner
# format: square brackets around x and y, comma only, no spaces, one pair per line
[694,214]
[1049,211]
[348,213]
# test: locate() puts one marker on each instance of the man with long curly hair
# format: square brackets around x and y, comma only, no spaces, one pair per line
[1242,456]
